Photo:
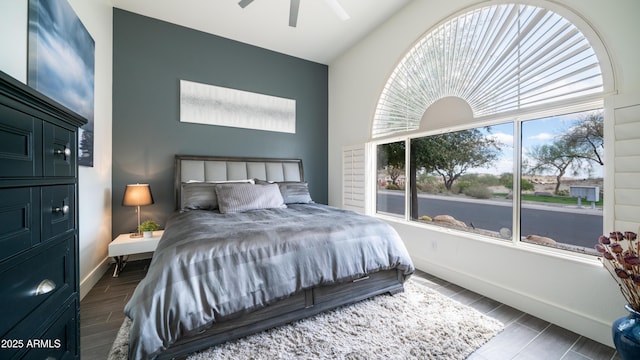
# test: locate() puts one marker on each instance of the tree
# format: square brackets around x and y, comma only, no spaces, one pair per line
[391,158]
[452,154]
[578,149]
[586,137]
[556,157]
[448,155]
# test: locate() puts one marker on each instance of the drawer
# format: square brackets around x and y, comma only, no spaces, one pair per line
[20,141]
[35,284]
[59,146]
[18,221]
[58,210]
[382,281]
[57,339]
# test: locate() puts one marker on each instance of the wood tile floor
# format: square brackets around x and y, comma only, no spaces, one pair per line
[524,336]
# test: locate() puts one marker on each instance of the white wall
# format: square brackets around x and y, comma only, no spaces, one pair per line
[575,294]
[13,38]
[95,182]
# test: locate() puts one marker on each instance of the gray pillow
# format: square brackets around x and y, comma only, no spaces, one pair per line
[245,197]
[199,196]
[295,192]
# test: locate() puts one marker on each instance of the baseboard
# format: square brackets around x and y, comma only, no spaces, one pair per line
[580,323]
[90,280]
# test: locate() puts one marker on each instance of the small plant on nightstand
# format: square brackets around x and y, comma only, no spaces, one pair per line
[148,227]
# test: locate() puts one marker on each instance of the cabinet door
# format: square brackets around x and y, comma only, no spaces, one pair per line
[59,150]
[20,142]
[19,223]
[58,210]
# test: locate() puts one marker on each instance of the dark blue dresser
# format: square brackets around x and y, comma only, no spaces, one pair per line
[39,283]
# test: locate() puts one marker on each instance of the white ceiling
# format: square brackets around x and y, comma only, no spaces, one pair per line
[320,35]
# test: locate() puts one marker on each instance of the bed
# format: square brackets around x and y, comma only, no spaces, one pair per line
[247,250]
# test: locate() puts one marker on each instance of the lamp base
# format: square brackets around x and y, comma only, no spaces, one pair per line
[136,235]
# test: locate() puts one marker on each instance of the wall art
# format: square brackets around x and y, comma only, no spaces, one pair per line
[61,64]
[215,105]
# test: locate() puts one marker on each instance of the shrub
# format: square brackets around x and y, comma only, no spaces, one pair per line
[460,187]
[525,185]
[479,192]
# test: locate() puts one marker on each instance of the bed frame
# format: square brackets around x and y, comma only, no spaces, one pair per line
[296,307]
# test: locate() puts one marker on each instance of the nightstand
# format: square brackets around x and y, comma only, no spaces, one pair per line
[125,245]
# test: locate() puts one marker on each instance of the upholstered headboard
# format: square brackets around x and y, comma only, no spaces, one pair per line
[215,168]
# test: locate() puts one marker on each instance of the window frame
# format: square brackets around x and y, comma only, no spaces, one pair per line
[516,121]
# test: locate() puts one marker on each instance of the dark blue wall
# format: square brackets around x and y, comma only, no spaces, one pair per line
[150,57]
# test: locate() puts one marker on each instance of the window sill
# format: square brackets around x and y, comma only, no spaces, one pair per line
[518,245]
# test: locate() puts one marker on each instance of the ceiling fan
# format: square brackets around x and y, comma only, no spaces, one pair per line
[295,6]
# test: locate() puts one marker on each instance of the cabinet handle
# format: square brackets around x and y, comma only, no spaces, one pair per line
[64,209]
[65,152]
[46,286]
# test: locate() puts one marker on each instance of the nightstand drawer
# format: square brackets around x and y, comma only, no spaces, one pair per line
[29,284]
[58,210]
[18,220]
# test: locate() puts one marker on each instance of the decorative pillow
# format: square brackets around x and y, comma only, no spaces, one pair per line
[245,197]
[198,195]
[295,192]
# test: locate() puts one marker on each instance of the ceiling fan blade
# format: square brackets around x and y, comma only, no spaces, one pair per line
[293,13]
[338,9]
[244,3]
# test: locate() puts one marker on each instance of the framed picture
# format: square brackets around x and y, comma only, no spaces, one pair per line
[61,63]
[215,105]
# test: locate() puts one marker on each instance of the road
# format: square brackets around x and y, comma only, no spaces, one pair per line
[569,225]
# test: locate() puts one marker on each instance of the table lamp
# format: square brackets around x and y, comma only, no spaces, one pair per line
[137,195]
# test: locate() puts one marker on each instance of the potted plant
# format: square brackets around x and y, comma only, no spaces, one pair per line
[148,227]
[620,255]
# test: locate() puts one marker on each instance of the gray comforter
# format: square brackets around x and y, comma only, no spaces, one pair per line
[209,266]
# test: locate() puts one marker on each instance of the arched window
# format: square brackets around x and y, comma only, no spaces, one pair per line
[498,58]
[499,112]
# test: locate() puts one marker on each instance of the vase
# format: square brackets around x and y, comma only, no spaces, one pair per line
[626,334]
[147,234]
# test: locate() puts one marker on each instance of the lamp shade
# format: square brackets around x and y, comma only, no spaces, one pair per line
[137,195]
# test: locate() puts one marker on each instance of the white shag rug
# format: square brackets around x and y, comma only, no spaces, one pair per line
[419,323]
